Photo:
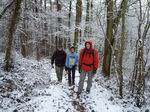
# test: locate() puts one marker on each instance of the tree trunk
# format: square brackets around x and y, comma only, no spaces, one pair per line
[47,46]
[52,47]
[138,76]
[11,31]
[24,34]
[59,40]
[87,19]
[36,11]
[109,40]
[23,40]
[121,50]
[91,18]
[78,21]
[116,22]
[69,23]
[112,26]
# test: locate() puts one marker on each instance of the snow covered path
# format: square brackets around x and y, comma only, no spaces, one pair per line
[34,92]
[61,98]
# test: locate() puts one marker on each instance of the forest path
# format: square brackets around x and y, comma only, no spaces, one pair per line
[59,97]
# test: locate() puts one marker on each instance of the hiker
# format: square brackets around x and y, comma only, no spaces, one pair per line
[59,57]
[88,65]
[71,63]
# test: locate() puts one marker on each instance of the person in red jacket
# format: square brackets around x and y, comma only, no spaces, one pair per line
[88,65]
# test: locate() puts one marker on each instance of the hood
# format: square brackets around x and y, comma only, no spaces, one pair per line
[90,42]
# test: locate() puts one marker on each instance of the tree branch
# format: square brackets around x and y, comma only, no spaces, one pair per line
[6,8]
[119,15]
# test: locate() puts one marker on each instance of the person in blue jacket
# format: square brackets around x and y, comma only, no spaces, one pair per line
[71,63]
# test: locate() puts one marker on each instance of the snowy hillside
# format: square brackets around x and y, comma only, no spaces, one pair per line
[35,89]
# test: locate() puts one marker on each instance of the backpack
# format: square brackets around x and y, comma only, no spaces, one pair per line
[83,53]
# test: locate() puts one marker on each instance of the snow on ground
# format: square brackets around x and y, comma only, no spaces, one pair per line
[37,90]
[59,100]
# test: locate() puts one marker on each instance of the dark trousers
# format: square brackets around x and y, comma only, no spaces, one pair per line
[59,73]
[71,75]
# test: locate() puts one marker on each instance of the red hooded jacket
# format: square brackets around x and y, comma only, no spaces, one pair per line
[87,60]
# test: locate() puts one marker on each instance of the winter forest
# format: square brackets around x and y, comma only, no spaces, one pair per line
[33,32]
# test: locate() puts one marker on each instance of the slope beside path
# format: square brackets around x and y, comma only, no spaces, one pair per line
[59,97]
[36,90]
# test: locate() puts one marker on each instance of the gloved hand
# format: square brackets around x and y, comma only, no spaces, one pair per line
[94,71]
[66,69]
[52,66]
[80,70]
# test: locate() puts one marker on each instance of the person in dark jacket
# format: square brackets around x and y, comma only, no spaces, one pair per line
[59,57]
[71,63]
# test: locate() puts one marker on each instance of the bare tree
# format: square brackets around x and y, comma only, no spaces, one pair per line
[120,47]
[109,39]
[69,23]
[78,21]
[24,33]
[112,27]
[11,31]
[88,19]
[138,76]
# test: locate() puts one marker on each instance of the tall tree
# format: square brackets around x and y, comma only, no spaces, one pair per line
[91,18]
[24,34]
[78,21]
[87,20]
[111,30]
[59,39]
[138,76]
[47,45]
[69,23]
[11,30]
[109,39]
[52,47]
[36,11]
[121,46]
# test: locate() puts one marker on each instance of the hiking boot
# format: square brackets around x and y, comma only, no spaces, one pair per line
[73,83]
[87,91]
[70,84]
